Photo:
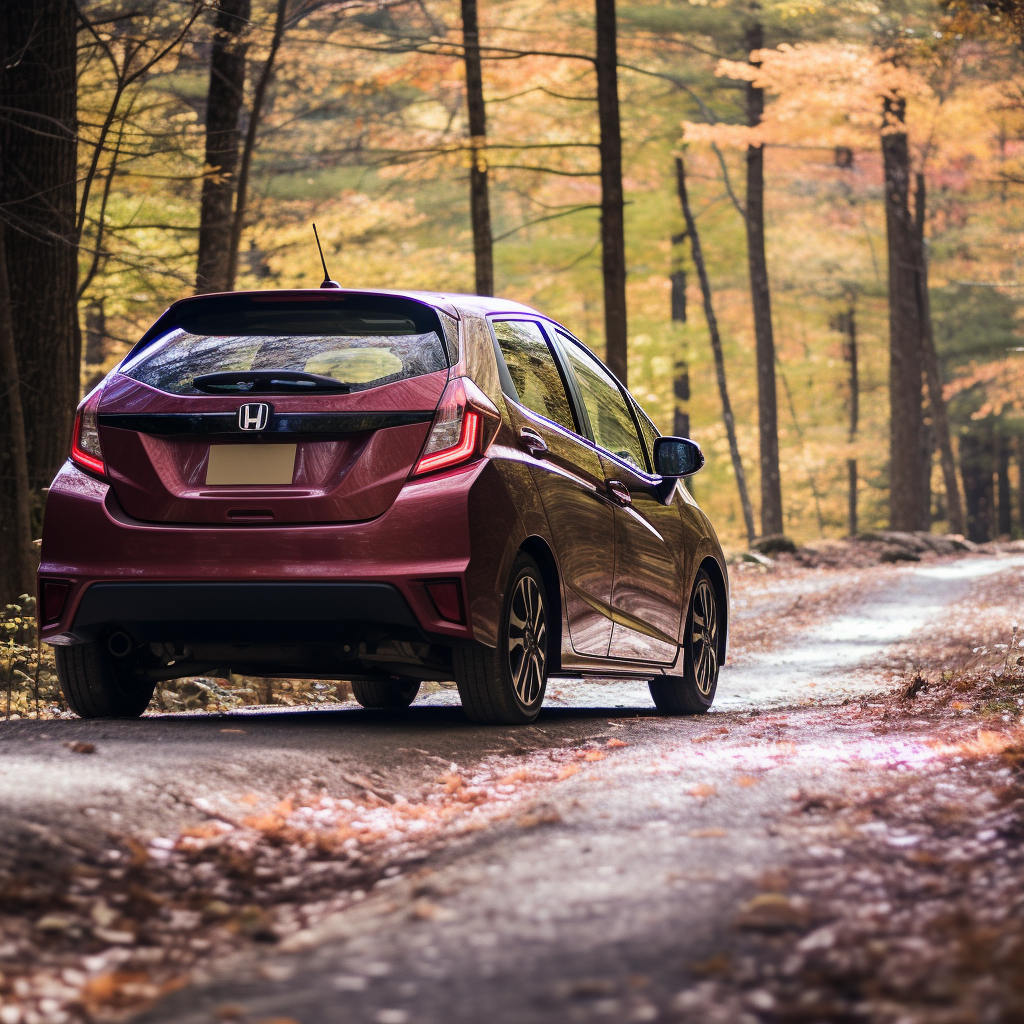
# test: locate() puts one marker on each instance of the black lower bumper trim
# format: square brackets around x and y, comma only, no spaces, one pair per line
[238,612]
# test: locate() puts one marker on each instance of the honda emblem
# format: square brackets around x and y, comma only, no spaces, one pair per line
[253,416]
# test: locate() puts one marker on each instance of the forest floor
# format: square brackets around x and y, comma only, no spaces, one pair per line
[840,841]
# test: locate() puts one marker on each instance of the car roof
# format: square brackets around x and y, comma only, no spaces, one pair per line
[449,302]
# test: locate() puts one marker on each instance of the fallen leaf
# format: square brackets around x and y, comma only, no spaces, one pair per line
[542,814]
[746,780]
[709,833]
[703,790]
[569,769]
[773,912]
[613,742]
[237,732]
[81,747]
[585,988]
[594,755]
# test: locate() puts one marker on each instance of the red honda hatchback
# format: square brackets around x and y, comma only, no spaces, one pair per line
[380,487]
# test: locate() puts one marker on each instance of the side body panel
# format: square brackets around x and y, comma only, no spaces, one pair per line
[581,521]
[650,570]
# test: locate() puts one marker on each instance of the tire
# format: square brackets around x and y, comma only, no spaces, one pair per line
[386,694]
[98,685]
[694,692]
[505,685]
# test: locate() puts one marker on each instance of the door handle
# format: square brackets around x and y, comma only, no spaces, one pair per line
[532,442]
[619,492]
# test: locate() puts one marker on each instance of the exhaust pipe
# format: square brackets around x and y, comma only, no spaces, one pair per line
[120,645]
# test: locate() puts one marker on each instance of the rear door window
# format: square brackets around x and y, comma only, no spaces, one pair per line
[359,348]
[533,370]
[610,417]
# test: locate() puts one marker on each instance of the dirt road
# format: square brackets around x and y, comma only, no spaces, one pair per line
[789,857]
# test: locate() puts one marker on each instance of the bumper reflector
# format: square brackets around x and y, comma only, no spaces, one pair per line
[447,598]
[54,595]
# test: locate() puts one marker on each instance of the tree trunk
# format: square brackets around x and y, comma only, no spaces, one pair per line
[1020,486]
[16,562]
[847,323]
[259,96]
[223,104]
[1003,485]
[976,466]
[940,421]
[38,137]
[95,333]
[767,406]
[479,195]
[716,347]
[613,237]
[907,481]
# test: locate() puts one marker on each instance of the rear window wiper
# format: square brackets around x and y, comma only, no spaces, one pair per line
[267,382]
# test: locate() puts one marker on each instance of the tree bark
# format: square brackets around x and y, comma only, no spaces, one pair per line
[908,485]
[223,104]
[16,562]
[613,237]
[767,405]
[940,421]
[259,96]
[847,323]
[479,193]
[976,466]
[38,138]
[716,347]
[1003,505]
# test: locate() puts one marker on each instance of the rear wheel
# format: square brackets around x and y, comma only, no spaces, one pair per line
[505,686]
[694,692]
[99,685]
[389,693]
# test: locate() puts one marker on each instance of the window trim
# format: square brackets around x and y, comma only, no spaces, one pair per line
[505,376]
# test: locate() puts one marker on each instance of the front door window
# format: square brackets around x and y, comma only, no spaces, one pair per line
[609,415]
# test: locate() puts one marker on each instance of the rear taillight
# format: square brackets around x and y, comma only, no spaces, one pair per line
[463,424]
[85,442]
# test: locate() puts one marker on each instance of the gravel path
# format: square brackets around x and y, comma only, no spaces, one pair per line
[411,868]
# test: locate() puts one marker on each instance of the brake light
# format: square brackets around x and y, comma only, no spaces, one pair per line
[85,442]
[458,432]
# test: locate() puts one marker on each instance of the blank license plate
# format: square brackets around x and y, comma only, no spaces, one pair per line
[251,464]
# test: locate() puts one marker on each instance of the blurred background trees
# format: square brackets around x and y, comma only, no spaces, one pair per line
[855,172]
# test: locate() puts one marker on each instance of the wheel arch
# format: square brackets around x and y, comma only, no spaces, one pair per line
[538,549]
[712,567]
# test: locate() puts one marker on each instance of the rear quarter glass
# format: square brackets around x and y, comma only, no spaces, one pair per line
[359,348]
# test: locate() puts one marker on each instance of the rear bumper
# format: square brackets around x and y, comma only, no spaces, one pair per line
[240,613]
[279,581]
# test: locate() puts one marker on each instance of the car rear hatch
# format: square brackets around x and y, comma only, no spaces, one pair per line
[257,409]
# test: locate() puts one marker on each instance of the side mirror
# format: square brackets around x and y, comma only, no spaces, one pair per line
[677,456]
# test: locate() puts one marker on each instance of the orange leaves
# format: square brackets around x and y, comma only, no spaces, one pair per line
[567,771]
[613,742]
[703,790]
[125,989]
[594,755]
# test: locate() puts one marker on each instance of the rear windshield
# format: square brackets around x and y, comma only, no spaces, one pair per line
[362,349]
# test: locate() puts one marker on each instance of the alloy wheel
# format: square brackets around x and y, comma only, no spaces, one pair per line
[527,640]
[704,637]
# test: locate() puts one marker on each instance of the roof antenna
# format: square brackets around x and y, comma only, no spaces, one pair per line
[327,281]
